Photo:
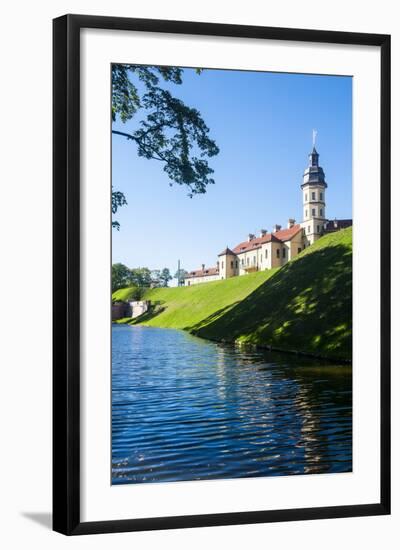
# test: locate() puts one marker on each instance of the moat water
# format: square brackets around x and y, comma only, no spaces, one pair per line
[184,409]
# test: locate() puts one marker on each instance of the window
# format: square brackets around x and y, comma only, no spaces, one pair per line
[321,196]
[313,212]
[308,229]
[306,197]
[306,214]
[298,250]
[266,253]
[283,252]
[313,196]
[321,212]
[236,264]
[231,264]
[242,261]
[260,259]
[317,228]
[222,265]
[248,261]
[254,260]
[278,252]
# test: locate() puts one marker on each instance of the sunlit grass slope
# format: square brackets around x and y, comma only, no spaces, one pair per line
[185,307]
[123,294]
[304,306]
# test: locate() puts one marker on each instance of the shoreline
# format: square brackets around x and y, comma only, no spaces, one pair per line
[268,347]
[265,347]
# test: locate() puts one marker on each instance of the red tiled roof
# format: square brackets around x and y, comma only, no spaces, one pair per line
[203,272]
[288,234]
[278,236]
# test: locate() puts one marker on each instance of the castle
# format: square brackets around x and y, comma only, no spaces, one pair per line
[269,250]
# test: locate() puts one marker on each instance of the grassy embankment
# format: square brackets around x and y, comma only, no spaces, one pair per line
[305,306]
[124,294]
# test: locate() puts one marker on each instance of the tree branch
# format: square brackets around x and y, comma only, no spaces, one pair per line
[138,141]
[124,134]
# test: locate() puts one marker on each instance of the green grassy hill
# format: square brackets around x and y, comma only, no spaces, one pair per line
[186,307]
[124,294]
[304,306]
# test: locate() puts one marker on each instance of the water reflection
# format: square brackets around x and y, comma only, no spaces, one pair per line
[184,408]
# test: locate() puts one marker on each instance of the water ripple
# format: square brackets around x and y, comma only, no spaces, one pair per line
[186,409]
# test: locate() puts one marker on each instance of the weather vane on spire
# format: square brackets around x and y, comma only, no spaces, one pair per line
[314,137]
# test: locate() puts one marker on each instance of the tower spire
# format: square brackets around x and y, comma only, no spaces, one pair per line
[314,137]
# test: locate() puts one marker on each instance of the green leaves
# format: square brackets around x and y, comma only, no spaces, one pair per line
[117,199]
[120,276]
[170,131]
[125,96]
[165,276]
[176,134]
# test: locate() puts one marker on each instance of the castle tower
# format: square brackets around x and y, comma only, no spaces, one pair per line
[313,188]
[228,264]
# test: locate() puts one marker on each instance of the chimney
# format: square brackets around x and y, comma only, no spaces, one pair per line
[250,237]
[276,228]
[290,223]
[203,266]
[263,232]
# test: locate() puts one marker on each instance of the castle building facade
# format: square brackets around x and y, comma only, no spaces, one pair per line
[275,249]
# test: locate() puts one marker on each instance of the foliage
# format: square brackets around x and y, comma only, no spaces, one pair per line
[137,277]
[170,131]
[120,276]
[141,276]
[165,276]
[117,199]
[155,278]
[305,306]
[180,275]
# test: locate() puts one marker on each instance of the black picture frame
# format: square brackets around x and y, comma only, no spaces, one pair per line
[66,272]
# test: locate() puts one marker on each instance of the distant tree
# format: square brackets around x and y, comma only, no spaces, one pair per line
[141,276]
[165,276]
[121,276]
[155,278]
[169,131]
[180,275]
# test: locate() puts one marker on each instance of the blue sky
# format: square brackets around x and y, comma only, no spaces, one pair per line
[262,123]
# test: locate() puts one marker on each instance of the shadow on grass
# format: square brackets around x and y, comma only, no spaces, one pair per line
[306,306]
[150,314]
[212,318]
